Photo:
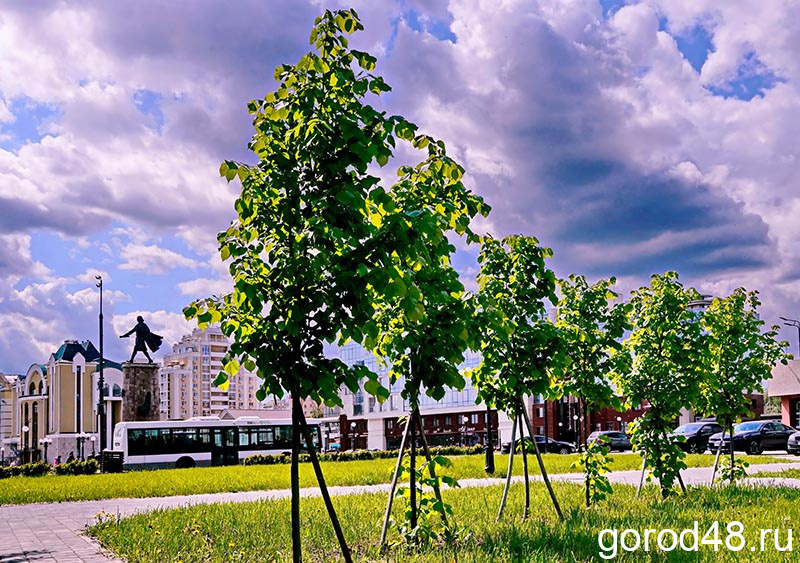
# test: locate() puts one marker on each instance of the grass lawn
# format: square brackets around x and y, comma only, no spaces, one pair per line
[787,473]
[60,488]
[260,532]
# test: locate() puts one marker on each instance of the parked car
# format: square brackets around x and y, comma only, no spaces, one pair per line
[793,444]
[616,440]
[696,435]
[553,446]
[754,437]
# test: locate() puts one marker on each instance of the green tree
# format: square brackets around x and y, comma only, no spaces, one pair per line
[666,350]
[592,329]
[422,322]
[309,254]
[519,344]
[739,358]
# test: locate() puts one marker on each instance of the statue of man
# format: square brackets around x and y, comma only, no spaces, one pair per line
[144,339]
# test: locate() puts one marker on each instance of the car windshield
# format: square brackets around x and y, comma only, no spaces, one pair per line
[746,427]
[687,428]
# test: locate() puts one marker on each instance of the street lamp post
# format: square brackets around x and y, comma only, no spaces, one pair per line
[577,432]
[794,323]
[619,423]
[101,403]
[25,443]
[2,457]
[92,439]
[45,442]
[353,436]
[489,464]
[81,439]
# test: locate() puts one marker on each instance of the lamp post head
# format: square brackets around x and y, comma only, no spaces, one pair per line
[25,428]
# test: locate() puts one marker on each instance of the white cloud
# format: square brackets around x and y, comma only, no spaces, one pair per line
[205,287]
[151,259]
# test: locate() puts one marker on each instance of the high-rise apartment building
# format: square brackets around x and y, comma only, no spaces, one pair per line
[187,375]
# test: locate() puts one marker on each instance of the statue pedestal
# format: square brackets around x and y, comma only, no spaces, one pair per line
[140,400]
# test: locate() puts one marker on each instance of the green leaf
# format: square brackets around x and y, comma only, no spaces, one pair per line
[232,367]
[222,381]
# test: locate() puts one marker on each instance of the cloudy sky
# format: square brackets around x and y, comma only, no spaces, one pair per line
[631,137]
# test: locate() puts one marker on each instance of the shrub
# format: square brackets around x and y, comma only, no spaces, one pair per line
[78,467]
[27,470]
[267,459]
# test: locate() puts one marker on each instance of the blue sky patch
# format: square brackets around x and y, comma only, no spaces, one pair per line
[149,103]
[29,125]
[610,7]
[695,45]
[752,79]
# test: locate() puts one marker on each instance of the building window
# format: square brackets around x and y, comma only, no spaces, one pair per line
[474,419]
[372,404]
[448,420]
[540,412]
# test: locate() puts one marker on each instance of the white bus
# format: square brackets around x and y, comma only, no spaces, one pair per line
[204,441]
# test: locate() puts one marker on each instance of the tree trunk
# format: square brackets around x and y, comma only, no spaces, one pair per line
[510,469]
[526,477]
[297,556]
[323,487]
[413,492]
[731,476]
[436,490]
[489,465]
[545,478]
[719,453]
[388,513]
[641,477]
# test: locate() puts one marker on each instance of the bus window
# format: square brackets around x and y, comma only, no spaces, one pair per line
[136,445]
[153,441]
[204,439]
[265,438]
[184,440]
[283,437]
[244,437]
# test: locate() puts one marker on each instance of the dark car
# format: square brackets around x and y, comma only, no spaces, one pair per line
[696,435]
[754,437]
[553,446]
[616,440]
[793,444]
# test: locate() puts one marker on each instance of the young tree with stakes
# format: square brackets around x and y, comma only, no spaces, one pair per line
[592,330]
[519,344]
[309,257]
[666,355]
[739,358]
[422,326]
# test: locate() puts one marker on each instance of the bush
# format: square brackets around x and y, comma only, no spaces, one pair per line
[266,459]
[78,467]
[27,470]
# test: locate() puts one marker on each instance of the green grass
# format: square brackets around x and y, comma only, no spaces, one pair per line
[53,488]
[256,532]
[787,473]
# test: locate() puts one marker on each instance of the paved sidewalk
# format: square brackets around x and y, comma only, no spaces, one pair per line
[53,532]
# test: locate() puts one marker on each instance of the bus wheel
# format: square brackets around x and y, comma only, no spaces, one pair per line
[184,463]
